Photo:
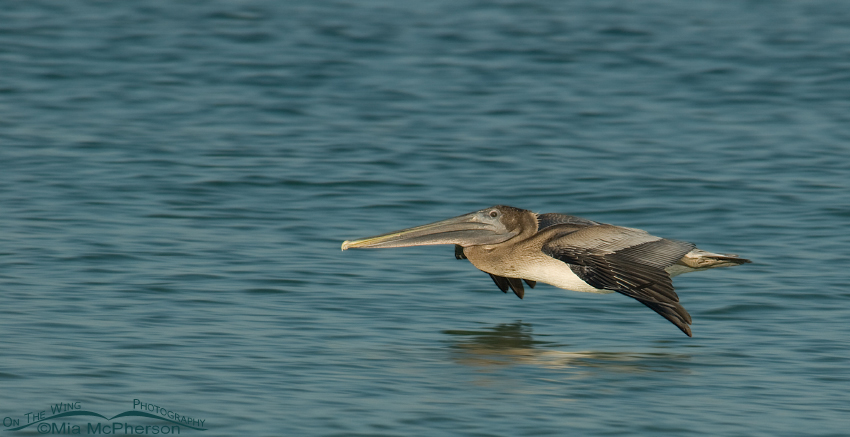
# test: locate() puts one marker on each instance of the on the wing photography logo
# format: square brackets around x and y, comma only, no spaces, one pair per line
[64,420]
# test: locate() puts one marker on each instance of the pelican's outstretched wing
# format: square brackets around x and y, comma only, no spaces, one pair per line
[628,261]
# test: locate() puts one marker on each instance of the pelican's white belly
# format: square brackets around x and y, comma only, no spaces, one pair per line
[557,273]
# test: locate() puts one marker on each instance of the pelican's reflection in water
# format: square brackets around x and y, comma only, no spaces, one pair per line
[513,344]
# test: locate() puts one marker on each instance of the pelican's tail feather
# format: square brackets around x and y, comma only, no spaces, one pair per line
[698,259]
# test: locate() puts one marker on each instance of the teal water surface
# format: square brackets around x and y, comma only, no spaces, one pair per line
[176,179]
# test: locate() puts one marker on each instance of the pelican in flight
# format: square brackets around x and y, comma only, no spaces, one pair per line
[569,252]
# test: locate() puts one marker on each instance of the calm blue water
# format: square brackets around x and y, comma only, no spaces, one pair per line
[176,179]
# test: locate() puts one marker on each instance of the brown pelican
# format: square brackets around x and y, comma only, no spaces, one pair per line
[569,252]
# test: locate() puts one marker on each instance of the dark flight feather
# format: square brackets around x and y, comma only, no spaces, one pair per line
[501,282]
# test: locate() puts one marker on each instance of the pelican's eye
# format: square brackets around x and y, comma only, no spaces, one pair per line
[494,213]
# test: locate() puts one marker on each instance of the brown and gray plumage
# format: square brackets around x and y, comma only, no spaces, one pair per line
[514,245]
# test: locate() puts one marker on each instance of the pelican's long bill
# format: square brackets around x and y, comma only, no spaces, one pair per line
[475,228]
